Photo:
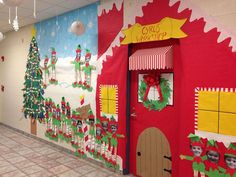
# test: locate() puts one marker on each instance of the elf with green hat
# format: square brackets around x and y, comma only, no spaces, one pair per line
[91,136]
[46,70]
[113,141]
[213,157]
[77,62]
[87,71]
[98,141]
[230,160]
[196,146]
[54,60]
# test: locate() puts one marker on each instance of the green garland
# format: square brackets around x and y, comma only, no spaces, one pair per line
[155,104]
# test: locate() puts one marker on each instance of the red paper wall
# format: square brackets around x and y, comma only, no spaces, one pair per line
[109,25]
[199,61]
[114,70]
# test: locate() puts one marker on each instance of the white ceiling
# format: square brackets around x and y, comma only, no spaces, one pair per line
[45,10]
[222,11]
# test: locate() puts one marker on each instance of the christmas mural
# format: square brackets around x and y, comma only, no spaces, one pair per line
[108,112]
[70,69]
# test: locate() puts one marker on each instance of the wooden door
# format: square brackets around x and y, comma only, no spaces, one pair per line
[153,154]
[33,126]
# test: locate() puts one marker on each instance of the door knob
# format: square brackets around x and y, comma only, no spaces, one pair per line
[168,171]
[139,153]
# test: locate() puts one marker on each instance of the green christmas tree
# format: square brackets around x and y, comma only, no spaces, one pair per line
[33,90]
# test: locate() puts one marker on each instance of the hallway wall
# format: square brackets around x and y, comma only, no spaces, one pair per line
[15,49]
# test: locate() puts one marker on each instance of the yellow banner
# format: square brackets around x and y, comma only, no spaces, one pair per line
[165,29]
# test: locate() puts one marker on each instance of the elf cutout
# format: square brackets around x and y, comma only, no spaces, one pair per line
[91,137]
[196,146]
[63,105]
[67,129]
[87,71]
[105,138]
[98,139]
[213,157]
[77,62]
[46,70]
[113,136]
[230,160]
[54,59]
[80,135]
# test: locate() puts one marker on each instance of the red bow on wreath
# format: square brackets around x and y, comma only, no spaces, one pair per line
[152,80]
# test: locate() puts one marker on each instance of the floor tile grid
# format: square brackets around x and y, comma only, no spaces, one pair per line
[43,160]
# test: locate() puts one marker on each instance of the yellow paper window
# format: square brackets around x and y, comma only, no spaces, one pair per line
[227,124]
[104,93]
[112,107]
[228,102]
[208,121]
[208,100]
[108,99]
[112,93]
[217,112]
[105,106]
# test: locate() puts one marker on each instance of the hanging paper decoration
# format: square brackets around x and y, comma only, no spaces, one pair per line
[78,63]
[88,71]
[206,158]
[1,36]
[33,92]
[77,28]
[54,59]
[161,85]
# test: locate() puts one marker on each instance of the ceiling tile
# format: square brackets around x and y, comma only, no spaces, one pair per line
[53,2]
[4,9]
[73,4]
[41,16]
[40,5]
[55,10]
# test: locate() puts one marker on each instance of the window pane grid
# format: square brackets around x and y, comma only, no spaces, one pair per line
[109,101]
[217,112]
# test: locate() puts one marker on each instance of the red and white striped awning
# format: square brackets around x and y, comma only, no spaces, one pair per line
[153,58]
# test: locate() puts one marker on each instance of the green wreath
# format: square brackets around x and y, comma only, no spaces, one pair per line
[155,104]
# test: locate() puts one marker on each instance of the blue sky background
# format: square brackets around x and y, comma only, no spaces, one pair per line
[54,32]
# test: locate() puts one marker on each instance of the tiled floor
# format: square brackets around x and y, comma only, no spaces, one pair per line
[21,155]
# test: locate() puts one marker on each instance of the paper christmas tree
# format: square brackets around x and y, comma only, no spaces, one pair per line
[33,91]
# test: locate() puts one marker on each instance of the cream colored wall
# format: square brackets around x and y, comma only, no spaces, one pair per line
[223,12]
[15,49]
[1,94]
